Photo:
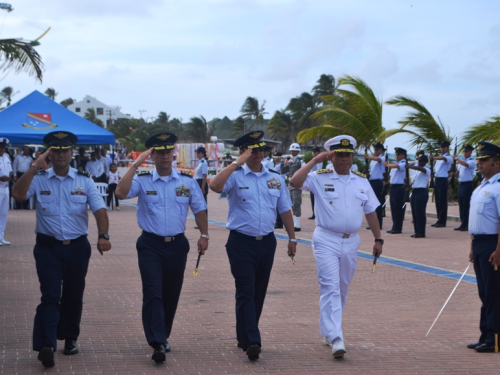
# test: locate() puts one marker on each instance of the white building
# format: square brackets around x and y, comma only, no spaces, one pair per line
[105,113]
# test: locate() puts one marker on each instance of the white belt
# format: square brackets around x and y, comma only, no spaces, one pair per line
[337,234]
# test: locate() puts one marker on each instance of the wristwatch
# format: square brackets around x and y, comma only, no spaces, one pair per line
[105,236]
[205,236]
[292,240]
[379,240]
[238,165]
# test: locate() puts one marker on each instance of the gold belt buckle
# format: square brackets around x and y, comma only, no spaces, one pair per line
[346,235]
[168,239]
[258,238]
[66,242]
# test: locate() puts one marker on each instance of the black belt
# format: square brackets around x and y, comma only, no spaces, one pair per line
[397,184]
[258,238]
[177,237]
[419,188]
[441,178]
[46,240]
[479,237]
[465,182]
[376,179]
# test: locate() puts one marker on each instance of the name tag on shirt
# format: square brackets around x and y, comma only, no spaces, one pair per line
[149,192]
[45,192]
[329,189]
[243,187]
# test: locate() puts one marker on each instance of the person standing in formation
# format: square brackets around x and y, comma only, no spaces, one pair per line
[466,170]
[165,195]
[6,176]
[268,160]
[420,194]
[343,196]
[254,193]
[290,167]
[62,251]
[377,162]
[441,169]
[397,194]
[22,163]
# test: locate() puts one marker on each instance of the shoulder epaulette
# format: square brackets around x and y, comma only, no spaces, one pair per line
[83,173]
[359,174]
[42,171]
[273,171]
[143,173]
[186,174]
[326,170]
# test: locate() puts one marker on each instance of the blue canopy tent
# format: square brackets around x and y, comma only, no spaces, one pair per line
[32,117]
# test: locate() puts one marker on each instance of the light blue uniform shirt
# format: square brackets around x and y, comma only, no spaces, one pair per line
[201,169]
[466,174]
[163,202]
[268,163]
[420,180]
[398,175]
[316,167]
[485,207]
[61,203]
[253,199]
[442,167]
[377,169]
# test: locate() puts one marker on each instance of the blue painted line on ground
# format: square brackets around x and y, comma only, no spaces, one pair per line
[393,262]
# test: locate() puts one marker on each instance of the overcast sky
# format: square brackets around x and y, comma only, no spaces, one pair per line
[204,57]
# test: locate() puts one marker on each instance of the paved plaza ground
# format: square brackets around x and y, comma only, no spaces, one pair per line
[386,318]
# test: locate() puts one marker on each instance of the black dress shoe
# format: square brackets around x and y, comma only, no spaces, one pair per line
[367,227]
[167,347]
[440,226]
[413,235]
[485,348]
[239,345]
[46,356]
[389,231]
[420,236]
[433,225]
[197,227]
[458,228]
[394,231]
[159,354]
[464,229]
[474,345]
[278,227]
[253,351]
[70,347]
[296,229]
[312,217]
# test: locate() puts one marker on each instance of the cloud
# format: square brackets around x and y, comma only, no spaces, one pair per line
[422,74]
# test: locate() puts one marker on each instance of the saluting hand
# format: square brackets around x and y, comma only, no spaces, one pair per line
[41,159]
[322,156]
[103,245]
[142,157]
[242,159]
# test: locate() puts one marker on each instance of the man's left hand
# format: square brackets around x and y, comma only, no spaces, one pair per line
[202,245]
[103,245]
[495,258]
[377,249]
[292,248]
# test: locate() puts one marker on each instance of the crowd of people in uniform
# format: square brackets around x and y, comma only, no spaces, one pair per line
[256,188]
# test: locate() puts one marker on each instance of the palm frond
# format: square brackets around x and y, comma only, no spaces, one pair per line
[318,132]
[20,56]
[489,131]
[365,92]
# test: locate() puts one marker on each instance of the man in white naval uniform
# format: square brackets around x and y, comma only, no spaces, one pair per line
[341,199]
[5,177]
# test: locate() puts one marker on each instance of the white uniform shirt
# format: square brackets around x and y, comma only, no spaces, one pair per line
[268,163]
[442,167]
[485,207]
[114,178]
[338,205]
[377,169]
[420,179]
[22,163]
[5,169]
[466,174]
[398,175]
[95,168]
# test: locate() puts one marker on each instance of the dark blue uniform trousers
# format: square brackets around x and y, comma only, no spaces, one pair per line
[441,194]
[465,190]
[251,263]
[418,202]
[482,247]
[162,265]
[378,187]
[61,271]
[397,199]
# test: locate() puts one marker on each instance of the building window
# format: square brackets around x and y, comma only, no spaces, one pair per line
[88,101]
[100,111]
[78,109]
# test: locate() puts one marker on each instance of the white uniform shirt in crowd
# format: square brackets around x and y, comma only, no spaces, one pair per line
[398,175]
[268,163]
[485,207]
[339,204]
[105,164]
[377,169]
[113,177]
[442,167]
[95,168]
[5,169]
[466,174]
[22,163]
[420,179]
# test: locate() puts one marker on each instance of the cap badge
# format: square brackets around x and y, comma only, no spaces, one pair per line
[163,137]
[345,142]
[480,147]
[60,135]
[255,135]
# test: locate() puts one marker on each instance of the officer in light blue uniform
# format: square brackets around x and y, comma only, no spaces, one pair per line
[377,161]
[420,194]
[466,168]
[62,251]
[441,170]
[254,193]
[268,160]
[483,226]
[201,171]
[165,195]
[397,194]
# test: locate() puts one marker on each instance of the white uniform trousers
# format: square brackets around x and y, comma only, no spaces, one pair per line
[336,263]
[4,209]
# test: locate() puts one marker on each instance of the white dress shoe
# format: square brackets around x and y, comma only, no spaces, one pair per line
[327,341]
[3,242]
[338,349]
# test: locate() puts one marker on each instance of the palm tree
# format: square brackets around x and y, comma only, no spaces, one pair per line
[20,56]
[325,86]
[238,127]
[488,131]
[251,111]
[282,127]
[51,93]
[131,142]
[357,113]
[6,95]
[66,102]
[92,117]
[302,108]
[197,129]
[425,130]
